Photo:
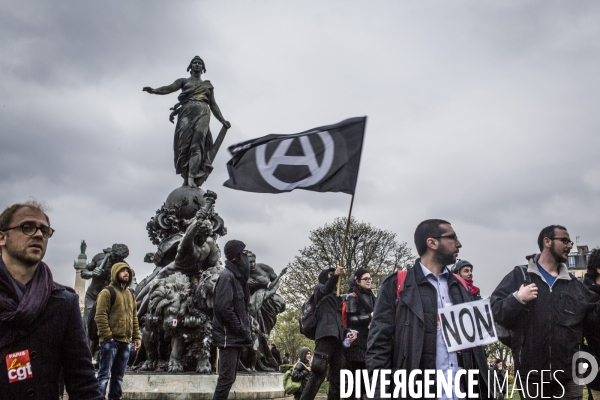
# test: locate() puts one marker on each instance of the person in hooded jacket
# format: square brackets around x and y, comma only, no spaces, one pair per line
[591,280]
[302,371]
[117,326]
[464,269]
[359,309]
[231,316]
[328,337]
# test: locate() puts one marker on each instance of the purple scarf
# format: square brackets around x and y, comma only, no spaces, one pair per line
[26,311]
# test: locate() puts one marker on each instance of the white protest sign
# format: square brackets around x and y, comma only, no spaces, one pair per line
[467,325]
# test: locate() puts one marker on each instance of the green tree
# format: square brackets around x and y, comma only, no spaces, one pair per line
[286,334]
[499,350]
[367,247]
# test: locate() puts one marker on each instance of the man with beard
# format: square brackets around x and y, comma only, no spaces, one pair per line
[116,318]
[41,330]
[231,316]
[405,333]
[98,270]
[546,308]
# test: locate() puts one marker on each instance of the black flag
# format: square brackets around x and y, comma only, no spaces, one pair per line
[324,159]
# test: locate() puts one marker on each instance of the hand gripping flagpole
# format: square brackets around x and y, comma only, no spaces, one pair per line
[344,243]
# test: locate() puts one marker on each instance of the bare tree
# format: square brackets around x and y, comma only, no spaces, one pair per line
[367,247]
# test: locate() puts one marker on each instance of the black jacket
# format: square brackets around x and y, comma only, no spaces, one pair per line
[329,316]
[358,310]
[231,318]
[548,331]
[592,335]
[403,333]
[276,355]
[300,373]
[55,340]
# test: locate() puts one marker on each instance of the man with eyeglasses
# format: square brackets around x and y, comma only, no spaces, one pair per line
[405,332]
[546,308]
[41,329]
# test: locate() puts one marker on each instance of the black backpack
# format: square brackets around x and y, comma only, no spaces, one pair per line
[505,335]
[92,328]
[308,318]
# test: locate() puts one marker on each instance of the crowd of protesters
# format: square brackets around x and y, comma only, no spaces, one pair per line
[549,316]
[548,313]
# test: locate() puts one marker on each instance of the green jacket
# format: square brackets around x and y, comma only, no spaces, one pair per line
[120,321]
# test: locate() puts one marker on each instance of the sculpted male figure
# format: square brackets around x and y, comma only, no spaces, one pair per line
[41,330]
[98,270]
[193,140]
[547,309]
[196,252]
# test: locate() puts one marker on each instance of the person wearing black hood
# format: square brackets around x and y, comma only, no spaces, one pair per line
[231,317]
[328,337]
[359,308]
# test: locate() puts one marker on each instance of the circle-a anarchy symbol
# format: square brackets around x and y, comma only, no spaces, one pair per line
[267,169]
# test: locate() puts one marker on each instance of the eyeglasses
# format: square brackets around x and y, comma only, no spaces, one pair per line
[451,237]
[366,279]
[565,240]
[31,229]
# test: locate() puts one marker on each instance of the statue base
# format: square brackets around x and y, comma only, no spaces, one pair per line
[152,385]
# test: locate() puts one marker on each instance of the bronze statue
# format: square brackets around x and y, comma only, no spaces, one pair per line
[193,145]
[265,304]
[196,252]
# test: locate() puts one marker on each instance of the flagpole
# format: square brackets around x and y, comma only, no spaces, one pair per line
[344,242]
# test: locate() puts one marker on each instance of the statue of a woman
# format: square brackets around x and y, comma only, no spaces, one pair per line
[193,140]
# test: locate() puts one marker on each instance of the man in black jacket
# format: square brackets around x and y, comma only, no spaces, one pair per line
[546,316]
[404,333]
[231,318]
[41,329]
[328,337]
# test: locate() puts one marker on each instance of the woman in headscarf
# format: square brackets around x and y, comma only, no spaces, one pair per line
[193,140]
[302,370]
[359,309]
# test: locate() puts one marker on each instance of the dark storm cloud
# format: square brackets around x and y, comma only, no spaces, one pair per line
[480,113]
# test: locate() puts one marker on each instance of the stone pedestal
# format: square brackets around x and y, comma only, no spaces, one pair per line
[79,281]
[200,387]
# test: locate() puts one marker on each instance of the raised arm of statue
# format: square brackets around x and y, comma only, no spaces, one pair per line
[188,250]
[173,87]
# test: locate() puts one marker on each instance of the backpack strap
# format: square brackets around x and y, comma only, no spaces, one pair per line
[401,276]
[526,277]
[113,295]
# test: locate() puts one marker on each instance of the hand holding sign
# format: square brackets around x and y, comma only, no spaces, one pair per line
[527,293]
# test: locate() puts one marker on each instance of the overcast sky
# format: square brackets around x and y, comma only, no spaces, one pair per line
[482,113]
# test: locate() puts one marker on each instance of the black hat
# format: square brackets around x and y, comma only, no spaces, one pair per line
[461,264]
[359,273]
[233,248]
[323,275]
